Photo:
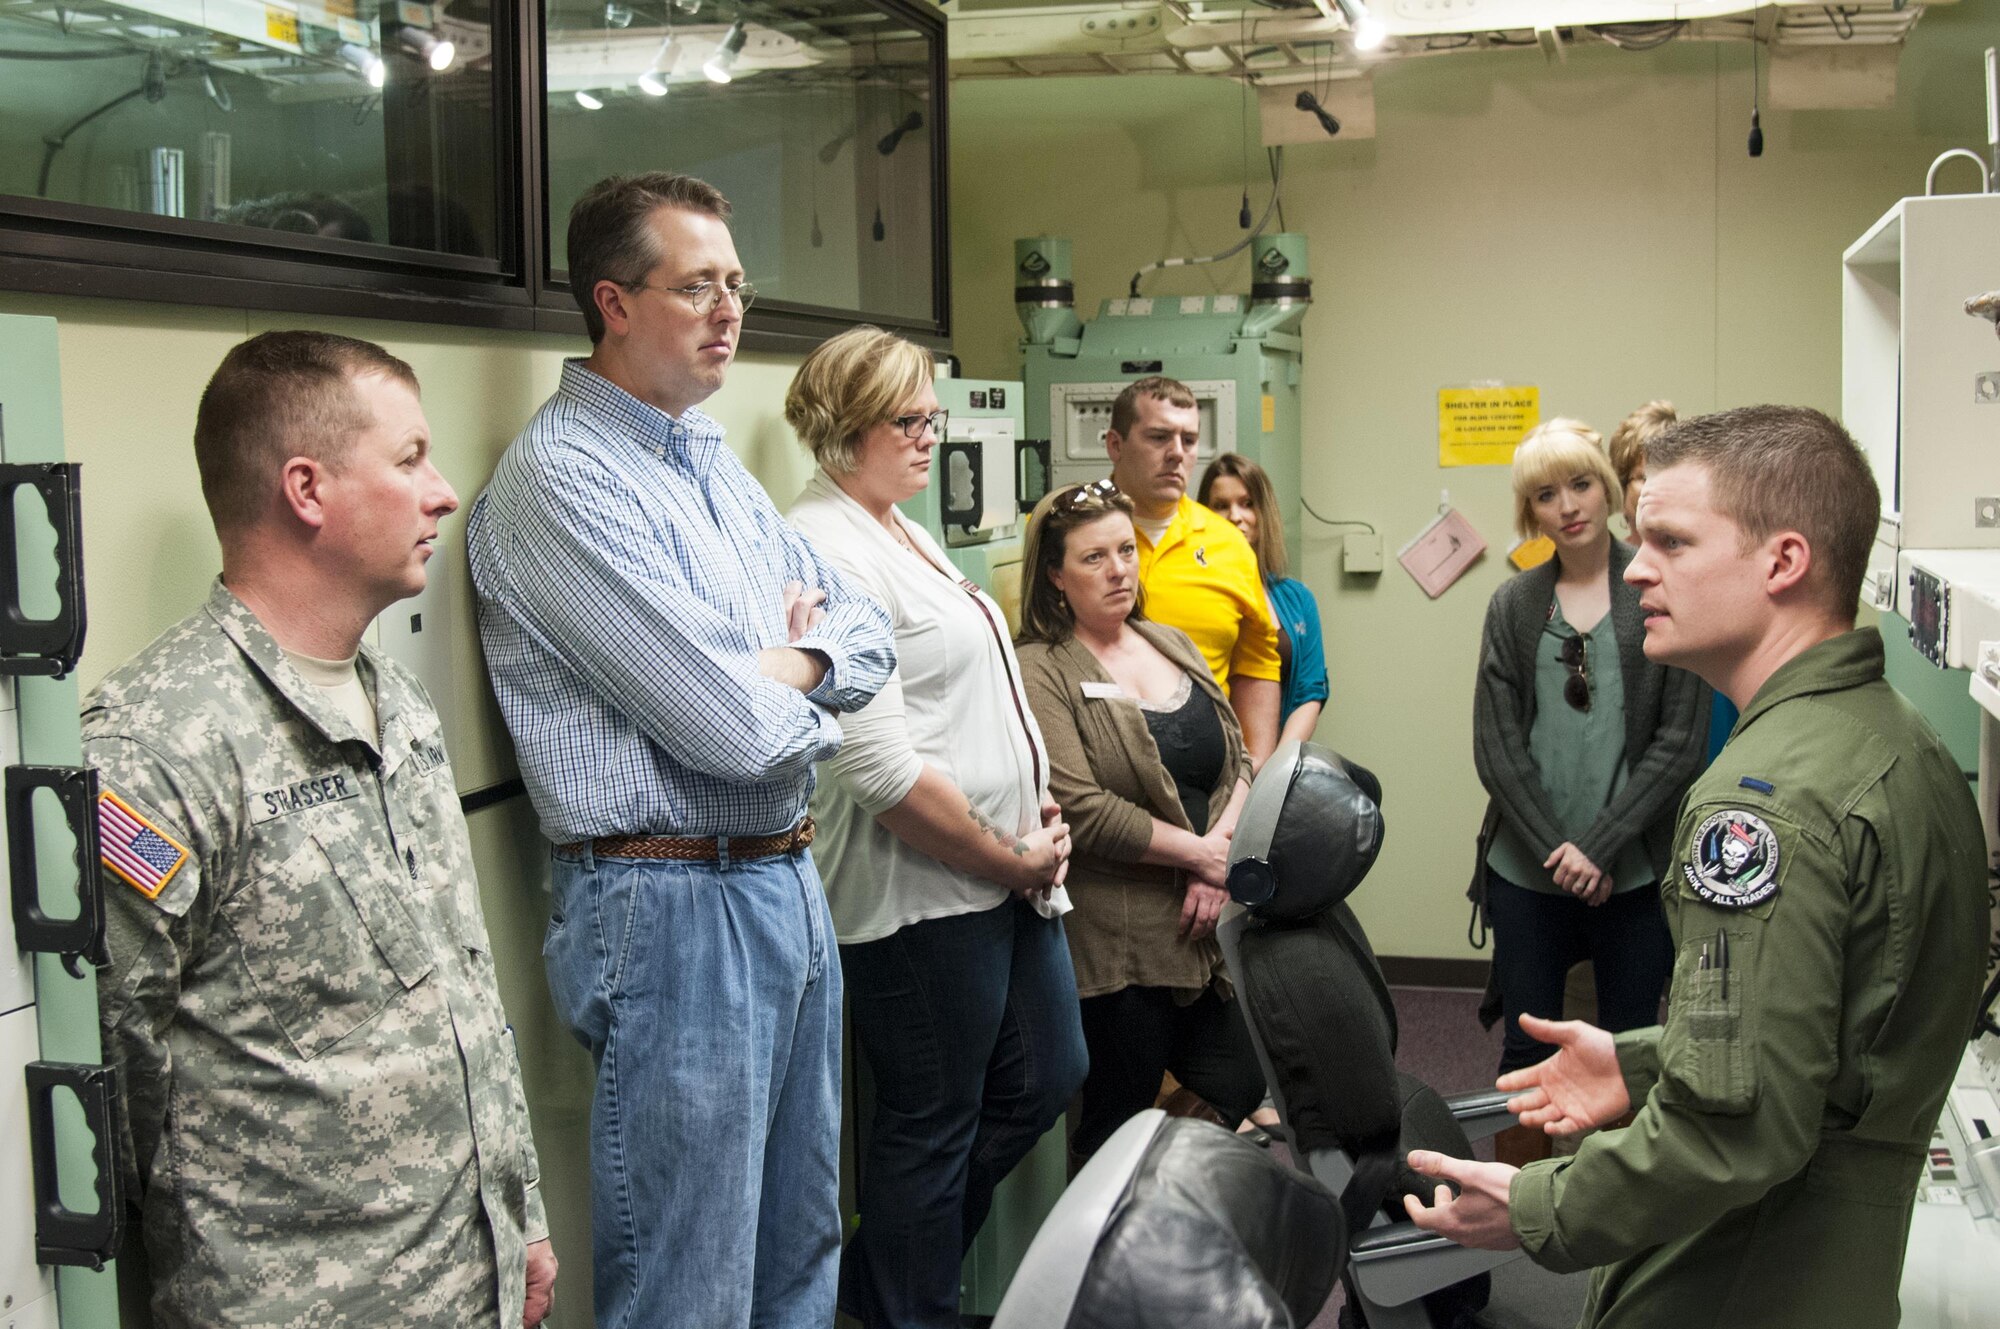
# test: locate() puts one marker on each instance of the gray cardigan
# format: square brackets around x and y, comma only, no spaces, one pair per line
[1666,724]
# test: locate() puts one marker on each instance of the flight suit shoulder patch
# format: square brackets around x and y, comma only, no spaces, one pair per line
[1731,860]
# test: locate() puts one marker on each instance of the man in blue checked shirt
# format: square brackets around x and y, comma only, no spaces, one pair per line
[670,657]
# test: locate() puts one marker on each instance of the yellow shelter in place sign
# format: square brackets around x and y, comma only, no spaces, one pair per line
[1480,426]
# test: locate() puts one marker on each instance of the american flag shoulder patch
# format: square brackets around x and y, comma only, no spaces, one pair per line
[134,848]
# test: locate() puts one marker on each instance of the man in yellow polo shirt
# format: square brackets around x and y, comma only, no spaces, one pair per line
[1200,574]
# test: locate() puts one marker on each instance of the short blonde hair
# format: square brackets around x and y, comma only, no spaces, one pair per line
[847,386]
[1553,452]
[1634,432]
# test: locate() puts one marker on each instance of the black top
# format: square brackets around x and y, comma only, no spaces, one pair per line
[1192,749]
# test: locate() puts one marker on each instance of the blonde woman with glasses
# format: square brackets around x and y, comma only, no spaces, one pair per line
[942,854]
[1585,748]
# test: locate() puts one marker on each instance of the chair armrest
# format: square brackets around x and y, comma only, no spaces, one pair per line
[1481,1113]
[1397,1263]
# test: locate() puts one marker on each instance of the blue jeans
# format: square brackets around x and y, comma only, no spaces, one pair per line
[969,1025]
[1538,935]
[709,997]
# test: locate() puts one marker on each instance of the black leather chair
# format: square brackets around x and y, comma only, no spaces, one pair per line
[1321,1016]
[1177,1224]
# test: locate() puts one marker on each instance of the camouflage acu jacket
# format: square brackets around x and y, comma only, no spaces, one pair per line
[324,1110]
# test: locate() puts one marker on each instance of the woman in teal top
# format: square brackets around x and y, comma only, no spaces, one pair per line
[1586,748]
[1239,490]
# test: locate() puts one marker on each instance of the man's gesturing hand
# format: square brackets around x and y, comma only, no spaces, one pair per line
[1578,1088]
[1477,1215]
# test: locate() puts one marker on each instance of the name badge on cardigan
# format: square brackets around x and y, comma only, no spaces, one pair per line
[1097,691]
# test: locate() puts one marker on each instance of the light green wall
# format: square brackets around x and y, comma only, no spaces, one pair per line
[1595,228]
[132,375]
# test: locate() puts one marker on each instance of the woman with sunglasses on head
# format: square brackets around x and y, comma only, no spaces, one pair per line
[1239,489]
[1586,748]
[1147,760]
[942,854]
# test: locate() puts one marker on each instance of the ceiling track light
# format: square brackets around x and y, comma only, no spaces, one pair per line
[909,124]
[717,68]
[153,79]
[365,62]
[426,46]
[216,92]
[1367,30]
[588,100]
[654,81]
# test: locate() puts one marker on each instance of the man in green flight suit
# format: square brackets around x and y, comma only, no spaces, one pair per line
[1828,907]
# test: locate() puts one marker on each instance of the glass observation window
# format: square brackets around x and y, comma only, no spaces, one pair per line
[344,120]
[816,119]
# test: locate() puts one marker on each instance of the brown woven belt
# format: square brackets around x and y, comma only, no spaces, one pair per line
[697,848]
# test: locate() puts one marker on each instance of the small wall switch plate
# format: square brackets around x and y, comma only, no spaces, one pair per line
[1361,552]
[1986,511]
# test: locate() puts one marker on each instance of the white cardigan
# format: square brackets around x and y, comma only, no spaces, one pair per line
[955,702]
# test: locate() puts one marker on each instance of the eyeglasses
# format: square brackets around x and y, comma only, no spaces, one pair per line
[1098,491]
[1575,657]
[704,295]
[913,426]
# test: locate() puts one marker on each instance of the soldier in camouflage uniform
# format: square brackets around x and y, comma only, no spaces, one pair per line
[324,1110]
[1828,904]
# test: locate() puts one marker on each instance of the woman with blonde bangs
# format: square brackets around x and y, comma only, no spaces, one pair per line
[942,854]
[1585,748]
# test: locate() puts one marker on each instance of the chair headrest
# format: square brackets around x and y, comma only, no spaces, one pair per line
[1309,833]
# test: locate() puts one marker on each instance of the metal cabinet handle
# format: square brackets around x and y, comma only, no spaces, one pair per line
[63,1235]
[74,939]
[42,645]
[1033,473]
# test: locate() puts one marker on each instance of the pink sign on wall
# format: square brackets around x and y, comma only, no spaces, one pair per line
[1441,552]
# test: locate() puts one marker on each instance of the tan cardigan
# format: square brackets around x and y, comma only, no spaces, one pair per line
[1105,772]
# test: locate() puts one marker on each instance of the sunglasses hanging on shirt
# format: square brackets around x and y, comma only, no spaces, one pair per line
[1575,657]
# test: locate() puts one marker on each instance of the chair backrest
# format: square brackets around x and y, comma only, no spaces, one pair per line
[1183,1223]
[1319,1010]
[1046,1283]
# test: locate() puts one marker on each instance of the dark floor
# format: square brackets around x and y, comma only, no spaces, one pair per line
[1440,1042]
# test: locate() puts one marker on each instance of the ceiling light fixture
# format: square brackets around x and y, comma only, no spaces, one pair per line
[366,63]
[718,66]
[427,47]
[216,92]
[588,101]
[909,124]
[1369,34]
[654,81]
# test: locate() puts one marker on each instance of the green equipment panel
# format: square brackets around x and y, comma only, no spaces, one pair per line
[1239,353]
